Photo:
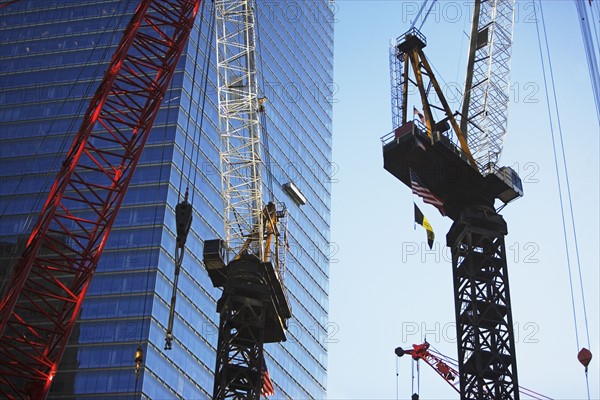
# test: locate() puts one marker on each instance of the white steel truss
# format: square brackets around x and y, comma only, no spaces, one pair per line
[487,91]
[239,126]
[397,85]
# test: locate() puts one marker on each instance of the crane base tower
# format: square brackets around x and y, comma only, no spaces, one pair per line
[253,310]
[484,327]
[485,338]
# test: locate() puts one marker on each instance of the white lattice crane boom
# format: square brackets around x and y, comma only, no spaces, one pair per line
[239,126]
[487,85]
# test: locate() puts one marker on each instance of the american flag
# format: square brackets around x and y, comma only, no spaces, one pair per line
[418,114]
[267,385]
[419,189]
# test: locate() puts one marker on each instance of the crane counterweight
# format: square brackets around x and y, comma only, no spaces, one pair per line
[445,170]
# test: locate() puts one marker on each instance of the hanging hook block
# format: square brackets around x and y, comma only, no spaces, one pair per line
[169,341]
[183,220]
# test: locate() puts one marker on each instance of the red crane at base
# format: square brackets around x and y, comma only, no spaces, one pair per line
[50,280]
[447,369]
[421,352]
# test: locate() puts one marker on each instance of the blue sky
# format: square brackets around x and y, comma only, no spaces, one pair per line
[383,296]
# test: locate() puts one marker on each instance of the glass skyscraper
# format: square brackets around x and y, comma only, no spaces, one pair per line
[52,56]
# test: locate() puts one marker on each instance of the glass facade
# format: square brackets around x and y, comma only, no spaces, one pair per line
[52,56]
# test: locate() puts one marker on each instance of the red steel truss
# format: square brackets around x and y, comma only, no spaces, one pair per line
[50,280]
[444,369]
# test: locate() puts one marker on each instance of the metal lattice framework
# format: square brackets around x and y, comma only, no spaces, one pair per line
[486,348]
[240,344]
[239,125]
[397,84]
[487,85]
[45,295]
[406,56]
[440,364]
[484,326]
[253,309]
[281,243]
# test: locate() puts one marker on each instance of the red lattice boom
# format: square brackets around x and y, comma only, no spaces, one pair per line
[47,289]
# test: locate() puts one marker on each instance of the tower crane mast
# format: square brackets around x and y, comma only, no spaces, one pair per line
[253,308]
[456,165]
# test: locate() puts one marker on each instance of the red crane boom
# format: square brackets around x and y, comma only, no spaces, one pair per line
[446,368]
[40,307]
[446,371]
